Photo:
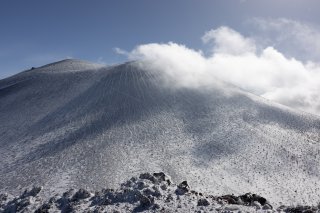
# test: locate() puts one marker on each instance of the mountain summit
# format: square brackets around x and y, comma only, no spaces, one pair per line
[73,124]
[69,65]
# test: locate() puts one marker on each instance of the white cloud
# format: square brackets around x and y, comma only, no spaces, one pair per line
[226,40]
[121,51]
[234,59]
[100,60]
[295,38]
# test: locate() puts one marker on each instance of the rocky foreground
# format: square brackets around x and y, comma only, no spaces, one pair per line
[146,193]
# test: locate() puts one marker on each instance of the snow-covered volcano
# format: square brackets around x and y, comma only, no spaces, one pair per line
[77,124]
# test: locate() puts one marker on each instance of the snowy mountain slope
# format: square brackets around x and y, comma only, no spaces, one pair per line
[76,124]
[145,193]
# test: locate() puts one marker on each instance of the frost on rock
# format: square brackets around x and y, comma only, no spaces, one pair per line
[146,193]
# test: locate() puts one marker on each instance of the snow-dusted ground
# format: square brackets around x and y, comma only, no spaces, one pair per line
[73,124]
[146,193]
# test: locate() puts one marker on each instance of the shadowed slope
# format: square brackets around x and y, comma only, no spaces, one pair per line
[97,126]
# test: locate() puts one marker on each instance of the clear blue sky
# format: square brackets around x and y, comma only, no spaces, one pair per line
[36,32]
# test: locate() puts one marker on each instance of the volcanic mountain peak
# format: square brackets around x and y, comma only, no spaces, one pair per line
[70,65]
[75,126]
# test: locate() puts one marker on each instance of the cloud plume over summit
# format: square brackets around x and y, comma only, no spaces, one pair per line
[240,60]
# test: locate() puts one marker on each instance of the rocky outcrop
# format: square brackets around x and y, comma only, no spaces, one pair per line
[146,193]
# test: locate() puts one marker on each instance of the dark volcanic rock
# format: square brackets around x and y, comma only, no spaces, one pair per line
[182,188]
[145,201]
[203,202]
[81,194]
[33,192]
[231,199]
[249,198]
[148,176]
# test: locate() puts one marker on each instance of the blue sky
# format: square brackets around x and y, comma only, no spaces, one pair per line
[36,32]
